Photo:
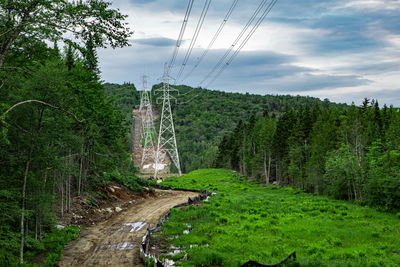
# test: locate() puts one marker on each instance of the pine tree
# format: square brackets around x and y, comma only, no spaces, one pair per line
[69,58]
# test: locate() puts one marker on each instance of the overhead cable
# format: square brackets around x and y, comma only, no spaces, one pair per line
[180,37]
[246,39]
[195,35]
[217,33]
[242,44]
[220,62]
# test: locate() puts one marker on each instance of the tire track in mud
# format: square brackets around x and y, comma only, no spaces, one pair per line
[116,242]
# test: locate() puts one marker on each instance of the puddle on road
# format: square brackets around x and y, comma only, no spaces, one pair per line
[175,250]
[119,246]
[132,227]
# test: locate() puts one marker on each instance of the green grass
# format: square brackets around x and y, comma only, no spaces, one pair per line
[247,221]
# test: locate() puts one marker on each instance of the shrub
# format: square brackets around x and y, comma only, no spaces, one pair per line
[127,179]
[52,259]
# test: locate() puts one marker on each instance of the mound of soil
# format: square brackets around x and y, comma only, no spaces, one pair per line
[102,205]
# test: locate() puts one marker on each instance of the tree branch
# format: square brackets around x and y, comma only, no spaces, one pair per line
[43,103]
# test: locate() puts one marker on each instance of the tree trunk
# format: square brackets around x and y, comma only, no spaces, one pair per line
[28,162]
[355,191]
[80,171]
[62,195]
[265,167]
[36,226]
[26,172]
[269,167]
[69,194]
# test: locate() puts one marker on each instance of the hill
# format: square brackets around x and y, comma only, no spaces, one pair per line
[202,117]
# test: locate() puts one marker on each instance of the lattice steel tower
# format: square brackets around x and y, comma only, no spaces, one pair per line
[146,112]
[166,137]
[144,98]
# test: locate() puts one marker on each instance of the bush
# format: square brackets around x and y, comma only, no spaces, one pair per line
[52,259]
[55,242]
[129,180]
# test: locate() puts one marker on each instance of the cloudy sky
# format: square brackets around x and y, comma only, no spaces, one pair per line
[342,50]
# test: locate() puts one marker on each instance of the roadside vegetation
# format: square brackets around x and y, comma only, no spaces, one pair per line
[245,221]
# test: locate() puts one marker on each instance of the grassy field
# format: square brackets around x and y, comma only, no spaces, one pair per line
[247,221]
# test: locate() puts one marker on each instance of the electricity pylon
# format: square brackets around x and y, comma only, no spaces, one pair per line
[166,137]
[144,101]
[147,123]
[144,98]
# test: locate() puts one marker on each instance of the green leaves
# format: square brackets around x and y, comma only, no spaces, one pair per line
[52,20]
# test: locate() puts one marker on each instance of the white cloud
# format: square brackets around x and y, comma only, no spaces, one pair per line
[373,5]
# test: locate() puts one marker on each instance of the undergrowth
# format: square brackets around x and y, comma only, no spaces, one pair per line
[50,247]
[247,221]
[127,179]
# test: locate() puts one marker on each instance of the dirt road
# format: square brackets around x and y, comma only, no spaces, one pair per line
[116,242]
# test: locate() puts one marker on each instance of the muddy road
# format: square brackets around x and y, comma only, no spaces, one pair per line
[116,242]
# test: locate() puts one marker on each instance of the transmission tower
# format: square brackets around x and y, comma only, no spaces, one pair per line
[146,112]
[144,98]
[144,101]
[166,137]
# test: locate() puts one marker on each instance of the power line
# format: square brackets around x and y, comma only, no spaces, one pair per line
[257,24]
[221,26]
[259,8]
[181,33]
[246,39]
[195,35]
[193,97]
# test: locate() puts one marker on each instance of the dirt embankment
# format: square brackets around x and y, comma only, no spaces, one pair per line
[116,241]
[97,207]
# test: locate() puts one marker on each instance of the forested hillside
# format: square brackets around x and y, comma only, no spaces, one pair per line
[202,117]
[126,97]
[348,153]
[60,135]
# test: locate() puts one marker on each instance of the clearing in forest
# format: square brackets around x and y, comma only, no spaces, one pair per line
[249,221]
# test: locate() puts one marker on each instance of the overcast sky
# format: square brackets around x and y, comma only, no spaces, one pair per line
[342,50]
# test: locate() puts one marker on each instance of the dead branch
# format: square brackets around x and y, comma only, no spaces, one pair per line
[43,103]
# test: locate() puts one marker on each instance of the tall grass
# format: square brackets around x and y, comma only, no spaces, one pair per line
[247,221]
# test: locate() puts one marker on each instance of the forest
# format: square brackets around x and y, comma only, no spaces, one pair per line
[346,152]
[60,133]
